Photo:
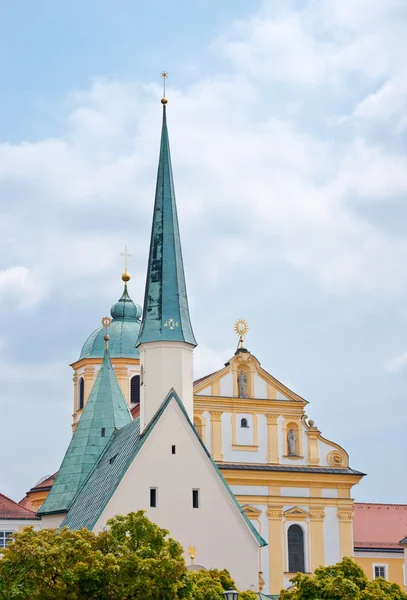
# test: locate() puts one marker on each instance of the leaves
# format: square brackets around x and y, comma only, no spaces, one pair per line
[343,581]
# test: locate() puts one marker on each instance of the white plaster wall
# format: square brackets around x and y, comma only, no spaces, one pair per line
[324,449]
[205,392]
[166,365]
[260,387]
[207,417]
[51,521]
[329,493]
[250,490]
[331,536]
[244,435]
[175,476]
[16,524]
[229,455]
[300,492]
[226,385]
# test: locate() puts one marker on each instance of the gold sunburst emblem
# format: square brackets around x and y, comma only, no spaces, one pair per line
[106,322]
[241,329]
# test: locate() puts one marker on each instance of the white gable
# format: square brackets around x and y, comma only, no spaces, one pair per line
[217,529]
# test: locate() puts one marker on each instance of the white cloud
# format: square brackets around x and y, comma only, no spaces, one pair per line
[396,363]
[22,286]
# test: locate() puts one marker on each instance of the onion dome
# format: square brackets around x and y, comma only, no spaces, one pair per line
[123,331]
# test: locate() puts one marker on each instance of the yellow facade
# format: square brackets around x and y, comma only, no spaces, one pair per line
[394,564]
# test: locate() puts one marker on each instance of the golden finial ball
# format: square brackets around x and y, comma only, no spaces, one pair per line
[107,337]
[126,276]
[164,101]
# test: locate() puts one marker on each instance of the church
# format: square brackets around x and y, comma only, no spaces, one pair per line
[230,464]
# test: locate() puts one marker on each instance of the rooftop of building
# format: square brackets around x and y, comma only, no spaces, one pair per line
[11,510]
[379,526]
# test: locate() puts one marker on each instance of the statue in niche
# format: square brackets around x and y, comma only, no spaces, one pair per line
[242,381]
[291,439]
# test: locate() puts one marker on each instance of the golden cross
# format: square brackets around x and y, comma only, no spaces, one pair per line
[126,256]
[164,75]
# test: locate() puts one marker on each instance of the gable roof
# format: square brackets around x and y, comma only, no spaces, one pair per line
[113,464]
[105,411]
[379,525]
[165,312]
[11,510]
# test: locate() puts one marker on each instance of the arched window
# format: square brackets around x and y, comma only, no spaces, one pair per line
[81,400]
[135,389]
[244,423]
[296,553]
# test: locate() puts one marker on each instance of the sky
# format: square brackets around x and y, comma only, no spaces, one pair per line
[287,125]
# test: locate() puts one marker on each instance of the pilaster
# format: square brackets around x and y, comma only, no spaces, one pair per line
[216,435]
[272,440]
[89,377]
[345,518]
[313,453]
[317,538]
[276,562]
[123,379]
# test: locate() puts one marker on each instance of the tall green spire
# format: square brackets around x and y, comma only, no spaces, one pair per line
[105,411]
[166,312]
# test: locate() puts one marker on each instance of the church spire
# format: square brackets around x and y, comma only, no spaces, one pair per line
[166,341]
[105,411]
[165,313]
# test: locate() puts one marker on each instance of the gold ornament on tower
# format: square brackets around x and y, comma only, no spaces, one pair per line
[241,329]
[126,274]
[164,76]
[192,553]
[106,321]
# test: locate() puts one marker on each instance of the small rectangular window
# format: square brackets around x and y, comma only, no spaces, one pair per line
[103,431]
[173,449]
[5,538]
[380,571]
[195,498]
[153,497]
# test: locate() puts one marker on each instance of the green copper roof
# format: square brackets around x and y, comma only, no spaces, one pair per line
[165,313]
[123,332]
[105,411]
[113,464]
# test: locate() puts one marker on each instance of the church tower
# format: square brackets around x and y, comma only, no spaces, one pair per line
[166,340]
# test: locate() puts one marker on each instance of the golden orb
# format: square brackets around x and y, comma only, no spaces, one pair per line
[106,337]
[164,101]
[126,276]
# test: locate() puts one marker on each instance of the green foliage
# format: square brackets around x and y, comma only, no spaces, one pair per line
[248,595]
[134,559]
[343,581]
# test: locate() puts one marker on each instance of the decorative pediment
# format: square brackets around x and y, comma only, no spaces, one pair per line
[296,513]
[251,512]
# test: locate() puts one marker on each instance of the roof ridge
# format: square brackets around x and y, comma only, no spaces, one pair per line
[17,504]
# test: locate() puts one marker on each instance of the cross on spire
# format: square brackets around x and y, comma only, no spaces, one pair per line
[126,255]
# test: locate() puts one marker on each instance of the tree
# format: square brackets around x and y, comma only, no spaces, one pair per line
[133,559]
[210,585]
[343,581]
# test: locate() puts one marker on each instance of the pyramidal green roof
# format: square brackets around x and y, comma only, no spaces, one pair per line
[105,411]
[165,312]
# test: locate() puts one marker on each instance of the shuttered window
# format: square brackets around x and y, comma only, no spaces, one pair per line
[296,554]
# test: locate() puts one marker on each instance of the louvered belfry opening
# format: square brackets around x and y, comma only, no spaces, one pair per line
[296,555]
[135,389]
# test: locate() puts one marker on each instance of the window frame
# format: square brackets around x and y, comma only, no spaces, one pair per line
[302,560]
[195,498]
[6,537]
[383,566]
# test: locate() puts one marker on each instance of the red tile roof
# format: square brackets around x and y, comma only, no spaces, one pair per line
[379,525]
[45,482]
[11,510]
